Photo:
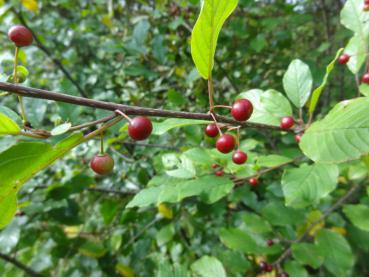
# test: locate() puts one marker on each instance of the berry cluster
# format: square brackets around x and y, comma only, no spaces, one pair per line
[241,111]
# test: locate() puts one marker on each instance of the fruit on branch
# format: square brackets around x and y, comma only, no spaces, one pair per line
[215,166]
[239,157]
[365,78]
[287,122]
[140,128]
[298,138]
[283,274]
[270,242]
[219,173]
[253,182]
[102,164]
[212,130]
[269,268]
[242,110]
[20,35]
[263,266]
[226,143]
[344,59]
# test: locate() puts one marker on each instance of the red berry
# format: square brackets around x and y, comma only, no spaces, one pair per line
[102,164]
[242,110]
[219,173]
[263,266]
[366,2]
[269,268]
[212,130]
[226,143]
[20,35]
[287,122]
[344,59]
[140,128]
[284,274]
[239,157]
[254,182]
[365,78]
[298,138]
[215,166]
[270,242]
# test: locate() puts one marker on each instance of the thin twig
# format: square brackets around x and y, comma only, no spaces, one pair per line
[337,205]
[20,265]
[130,110]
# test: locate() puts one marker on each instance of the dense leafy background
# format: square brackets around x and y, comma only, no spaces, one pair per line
[168,215]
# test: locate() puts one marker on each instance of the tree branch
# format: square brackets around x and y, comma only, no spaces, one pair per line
[43,48]
[20,265]
[130,110]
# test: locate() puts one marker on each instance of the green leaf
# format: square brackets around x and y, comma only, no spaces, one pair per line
[269,106]
[338,257]
[298,82]
[356,48]
[23,160]
[8,207]
[358,215]
[61,129]
[8,126]
[208,266]
[160,128]
[206,31]
[307,254]
[294,269]
[306,185]
[256,224]
[210,188]
[280,215]
[92,249]
[246,242]
[364,89]
[272,160]
[165,234]
[341,136]
[354,17]
[318,91]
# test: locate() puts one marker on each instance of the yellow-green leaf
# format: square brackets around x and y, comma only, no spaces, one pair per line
[31,5]
[8,126]
[206,31]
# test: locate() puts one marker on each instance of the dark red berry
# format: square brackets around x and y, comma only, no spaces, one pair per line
[365,78]
[269,268]
[219,173]
[211,130]
[226,143]
[263,266]
[102,164]
[254,182]
[366,2]
[239,157]
[344,59]
[284,274]
[215,166]
[287,122]
[242,110]
[298,138]
[20,35]
[140,128]
[270,242]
